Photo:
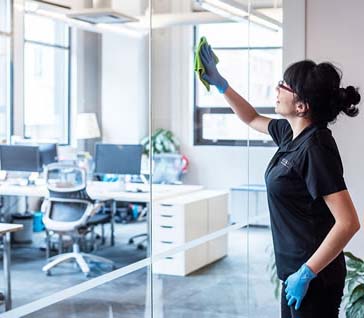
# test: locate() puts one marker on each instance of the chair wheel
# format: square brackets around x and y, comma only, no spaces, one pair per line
[48,273]
[131,241]
[140,247]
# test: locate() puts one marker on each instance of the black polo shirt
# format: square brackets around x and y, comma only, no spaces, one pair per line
[300,173]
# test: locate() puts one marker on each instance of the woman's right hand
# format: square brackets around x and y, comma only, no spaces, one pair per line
[212,75]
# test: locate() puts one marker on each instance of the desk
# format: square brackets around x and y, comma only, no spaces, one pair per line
[5,230]
[105,191]
[99,190]
[108,191]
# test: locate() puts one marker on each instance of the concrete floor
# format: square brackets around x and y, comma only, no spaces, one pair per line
[216,291]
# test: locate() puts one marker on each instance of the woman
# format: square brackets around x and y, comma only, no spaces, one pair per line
[312,215]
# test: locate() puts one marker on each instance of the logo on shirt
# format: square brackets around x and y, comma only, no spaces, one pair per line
[285,163]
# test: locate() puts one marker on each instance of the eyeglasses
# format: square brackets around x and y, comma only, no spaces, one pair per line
[283,86]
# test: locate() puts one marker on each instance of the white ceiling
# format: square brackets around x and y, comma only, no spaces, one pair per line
[262,3]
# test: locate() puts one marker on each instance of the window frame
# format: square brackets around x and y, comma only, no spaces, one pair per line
[9,35]
[67,48]
[198,112]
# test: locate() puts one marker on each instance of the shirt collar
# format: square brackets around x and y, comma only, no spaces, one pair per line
[301,138]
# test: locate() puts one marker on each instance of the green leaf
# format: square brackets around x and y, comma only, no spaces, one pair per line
[351,275]
[157,132]
[161,141]
[351,284]
[353,257]
[356,310]
[357,293]
[354,264]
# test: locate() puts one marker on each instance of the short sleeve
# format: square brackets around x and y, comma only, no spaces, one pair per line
[280,131]
[322,170]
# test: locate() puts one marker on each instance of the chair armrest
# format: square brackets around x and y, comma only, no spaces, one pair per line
[45,205]
[95,208]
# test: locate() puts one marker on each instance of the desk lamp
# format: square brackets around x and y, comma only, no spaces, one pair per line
[86,128]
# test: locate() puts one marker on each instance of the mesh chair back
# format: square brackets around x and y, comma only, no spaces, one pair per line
[67,192]
[65,178]
[67,211]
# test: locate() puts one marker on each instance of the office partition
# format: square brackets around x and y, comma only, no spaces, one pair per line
[206,249]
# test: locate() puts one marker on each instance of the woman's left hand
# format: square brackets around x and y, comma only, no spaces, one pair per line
[297,285]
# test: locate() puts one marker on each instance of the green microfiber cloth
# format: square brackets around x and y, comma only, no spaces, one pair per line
[199,67]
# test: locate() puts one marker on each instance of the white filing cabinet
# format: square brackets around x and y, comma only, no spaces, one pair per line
[184,218]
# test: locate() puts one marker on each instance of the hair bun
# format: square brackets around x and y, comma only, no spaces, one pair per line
[349,97]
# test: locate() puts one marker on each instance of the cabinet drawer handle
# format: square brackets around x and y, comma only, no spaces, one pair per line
[165,204]
[166,216]
[167,242]
[169,257]
[166,227]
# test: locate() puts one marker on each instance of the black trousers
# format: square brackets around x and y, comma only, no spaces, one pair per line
[321,301]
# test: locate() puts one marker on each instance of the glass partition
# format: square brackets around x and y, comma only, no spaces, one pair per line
[128,296]
[265,70]
[188,236]
[199,242]
[89,225]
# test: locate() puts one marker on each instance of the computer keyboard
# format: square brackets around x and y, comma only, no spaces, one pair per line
[137,190]
[17,181]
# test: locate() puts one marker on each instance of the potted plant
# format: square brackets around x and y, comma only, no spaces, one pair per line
[161,141]
[354,287]
[272,270]
[168,168]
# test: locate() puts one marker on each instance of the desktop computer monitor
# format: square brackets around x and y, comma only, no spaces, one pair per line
[20,158]
[118,159]
[48,154]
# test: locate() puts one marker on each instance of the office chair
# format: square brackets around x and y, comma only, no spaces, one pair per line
[70,211]
[142,244]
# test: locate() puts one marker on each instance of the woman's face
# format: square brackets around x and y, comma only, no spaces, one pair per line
[285,104]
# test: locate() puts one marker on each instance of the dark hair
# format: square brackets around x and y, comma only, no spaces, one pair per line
[318,85]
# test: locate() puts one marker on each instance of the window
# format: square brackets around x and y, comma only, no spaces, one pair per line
[5,67]
[46,79]
[251,59]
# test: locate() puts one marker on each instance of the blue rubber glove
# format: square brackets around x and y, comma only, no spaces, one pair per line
[212,75]
[297,285]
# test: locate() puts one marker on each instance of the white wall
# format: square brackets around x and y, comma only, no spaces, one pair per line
[86,81]
[125,98]
[334,33]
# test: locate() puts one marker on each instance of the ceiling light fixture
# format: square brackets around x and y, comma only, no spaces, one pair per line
[238,12]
